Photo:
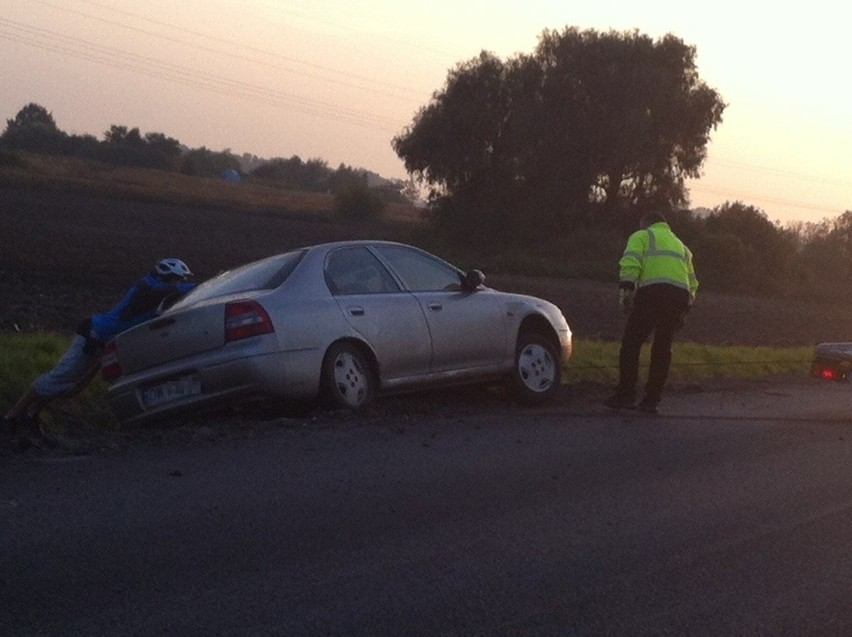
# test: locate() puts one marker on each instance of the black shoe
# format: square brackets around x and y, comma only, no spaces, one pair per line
[619,401]
[648,406]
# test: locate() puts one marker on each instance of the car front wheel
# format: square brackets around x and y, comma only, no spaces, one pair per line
[536,375]
[347,379]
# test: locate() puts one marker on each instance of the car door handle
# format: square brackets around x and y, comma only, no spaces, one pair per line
[356,310]
[435,306]
[156,325]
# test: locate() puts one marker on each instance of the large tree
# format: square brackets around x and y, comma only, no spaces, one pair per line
[589,122]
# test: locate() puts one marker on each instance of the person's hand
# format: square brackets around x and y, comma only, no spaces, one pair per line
[625,298]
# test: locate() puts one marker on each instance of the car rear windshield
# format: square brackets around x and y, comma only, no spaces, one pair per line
[260,275]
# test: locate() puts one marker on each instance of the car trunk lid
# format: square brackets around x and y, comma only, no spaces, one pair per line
[171,337]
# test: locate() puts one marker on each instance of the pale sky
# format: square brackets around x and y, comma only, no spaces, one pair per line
[337,80]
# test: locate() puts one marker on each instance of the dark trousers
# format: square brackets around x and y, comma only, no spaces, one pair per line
[659,309]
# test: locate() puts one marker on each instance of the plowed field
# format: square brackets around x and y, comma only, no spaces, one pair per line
[64,256]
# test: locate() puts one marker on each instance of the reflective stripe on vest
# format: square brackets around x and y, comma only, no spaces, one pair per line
[673,254]
[653,252]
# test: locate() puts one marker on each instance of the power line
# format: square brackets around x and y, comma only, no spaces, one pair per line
[161,70]
[56,42]
[347,27]
[411,92]
[728,194]
[783,173]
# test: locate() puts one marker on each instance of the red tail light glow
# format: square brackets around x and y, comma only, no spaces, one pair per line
[110,367]
[829,373]
[244,319]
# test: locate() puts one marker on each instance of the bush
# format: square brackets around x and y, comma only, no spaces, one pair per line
[359,203]
[202,162]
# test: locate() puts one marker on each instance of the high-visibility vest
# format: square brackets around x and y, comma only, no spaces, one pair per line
[656,255]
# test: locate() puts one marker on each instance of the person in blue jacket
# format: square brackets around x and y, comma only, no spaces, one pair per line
[164,284]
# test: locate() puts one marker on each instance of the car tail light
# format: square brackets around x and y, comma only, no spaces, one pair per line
[110,367]
[827,371]
[244,319]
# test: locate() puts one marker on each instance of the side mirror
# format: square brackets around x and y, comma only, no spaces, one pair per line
[473,279]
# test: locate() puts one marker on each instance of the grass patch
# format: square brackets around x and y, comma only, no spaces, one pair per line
[598,361]
[23,357]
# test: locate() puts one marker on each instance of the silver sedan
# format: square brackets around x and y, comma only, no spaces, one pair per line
[342,322]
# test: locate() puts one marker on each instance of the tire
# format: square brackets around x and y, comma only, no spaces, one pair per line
[347,379]
[536,374]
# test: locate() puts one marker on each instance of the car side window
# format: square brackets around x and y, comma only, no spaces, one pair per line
[357,271]
[420,272]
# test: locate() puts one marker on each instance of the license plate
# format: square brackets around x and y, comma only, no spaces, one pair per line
[170,390]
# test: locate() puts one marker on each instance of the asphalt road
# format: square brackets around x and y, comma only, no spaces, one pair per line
[731,513]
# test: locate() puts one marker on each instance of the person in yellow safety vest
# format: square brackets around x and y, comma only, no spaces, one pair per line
[657,287]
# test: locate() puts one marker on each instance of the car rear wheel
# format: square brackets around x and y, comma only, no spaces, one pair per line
[536,375]
[348,381]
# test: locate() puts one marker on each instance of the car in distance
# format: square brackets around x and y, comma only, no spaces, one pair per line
[343,322]
[832,361]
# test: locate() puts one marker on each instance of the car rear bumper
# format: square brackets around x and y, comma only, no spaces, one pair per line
[290,374]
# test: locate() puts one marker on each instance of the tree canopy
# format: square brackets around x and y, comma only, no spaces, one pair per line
[740,250]
[587,125]
[29,117]
[129,147]
[33,128]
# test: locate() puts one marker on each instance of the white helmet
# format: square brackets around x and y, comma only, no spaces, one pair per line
[172,267]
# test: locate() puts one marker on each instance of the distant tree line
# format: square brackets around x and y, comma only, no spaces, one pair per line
[34,129]
[737,249]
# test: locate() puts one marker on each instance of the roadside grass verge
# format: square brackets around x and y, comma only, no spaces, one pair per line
[25,356]
[598,361]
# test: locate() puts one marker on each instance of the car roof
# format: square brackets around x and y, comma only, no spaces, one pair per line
[357,242]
